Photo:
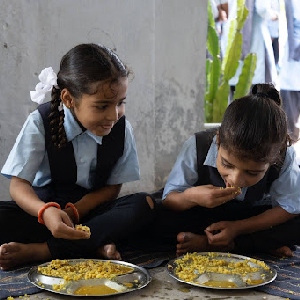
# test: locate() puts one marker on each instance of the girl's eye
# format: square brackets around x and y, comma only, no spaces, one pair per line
[226,165]
[101,107]
[252,174]
[121,103]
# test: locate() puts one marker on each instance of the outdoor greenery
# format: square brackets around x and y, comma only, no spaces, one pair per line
[220,71]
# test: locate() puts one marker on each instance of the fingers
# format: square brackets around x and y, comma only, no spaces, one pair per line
[66,219]
[224,195]
[69,233]
[228,191]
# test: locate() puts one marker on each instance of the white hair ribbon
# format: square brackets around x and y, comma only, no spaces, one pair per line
[48,79]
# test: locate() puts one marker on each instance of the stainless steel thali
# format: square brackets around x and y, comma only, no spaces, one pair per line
[136,279]
[262,274]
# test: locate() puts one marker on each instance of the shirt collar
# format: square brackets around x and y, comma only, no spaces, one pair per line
[73,129]
[211,157]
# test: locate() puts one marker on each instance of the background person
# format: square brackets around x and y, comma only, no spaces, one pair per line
[290,69]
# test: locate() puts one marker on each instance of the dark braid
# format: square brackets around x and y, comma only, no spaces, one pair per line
[82,66]
[56,117]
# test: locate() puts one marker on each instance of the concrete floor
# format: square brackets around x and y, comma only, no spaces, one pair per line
[163,286]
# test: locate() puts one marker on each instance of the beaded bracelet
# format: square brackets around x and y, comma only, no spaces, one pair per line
[75,211]
[42,210]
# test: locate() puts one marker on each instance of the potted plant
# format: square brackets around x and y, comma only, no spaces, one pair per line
[220,71]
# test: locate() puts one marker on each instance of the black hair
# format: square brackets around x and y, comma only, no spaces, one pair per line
[79,68]
[255,126]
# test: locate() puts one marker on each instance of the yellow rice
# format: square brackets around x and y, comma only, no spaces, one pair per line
[191,265]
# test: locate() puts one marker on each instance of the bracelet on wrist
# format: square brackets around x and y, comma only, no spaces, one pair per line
[42,210]
[75,211]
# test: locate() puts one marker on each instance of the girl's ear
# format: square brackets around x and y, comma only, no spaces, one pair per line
[67,98]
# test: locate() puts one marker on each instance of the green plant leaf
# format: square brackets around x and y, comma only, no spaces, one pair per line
[212,42]
[245,79]
[221,102]
[210,16]
[241,14]
[230,38]
[213,69]
[213,77]
[231,63]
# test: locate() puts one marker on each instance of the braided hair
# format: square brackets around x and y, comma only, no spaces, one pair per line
[79,68]
[255,126]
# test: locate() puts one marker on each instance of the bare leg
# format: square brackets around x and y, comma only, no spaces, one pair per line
[282,251]
[109,251]
[15,254]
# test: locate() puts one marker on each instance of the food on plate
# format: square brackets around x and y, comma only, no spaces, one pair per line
[82,270]
[192,265]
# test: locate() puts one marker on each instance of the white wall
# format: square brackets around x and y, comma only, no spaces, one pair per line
[163,41]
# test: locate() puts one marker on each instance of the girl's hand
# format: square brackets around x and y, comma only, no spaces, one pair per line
[61,226]
[69,211]
[211,196]
[221,234]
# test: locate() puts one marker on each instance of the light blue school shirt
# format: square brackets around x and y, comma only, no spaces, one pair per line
[284,192]
[28,158]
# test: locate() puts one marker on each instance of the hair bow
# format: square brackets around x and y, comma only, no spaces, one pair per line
[48,79]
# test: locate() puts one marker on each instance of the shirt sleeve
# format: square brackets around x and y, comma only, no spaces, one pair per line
[127,167]
[28,151]
[184,174]
[285,190]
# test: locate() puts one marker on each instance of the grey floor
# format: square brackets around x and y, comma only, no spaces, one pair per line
[163,286]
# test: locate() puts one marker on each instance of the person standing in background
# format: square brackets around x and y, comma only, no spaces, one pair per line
[256,39]
[220,13]
[290,68]
[273,26]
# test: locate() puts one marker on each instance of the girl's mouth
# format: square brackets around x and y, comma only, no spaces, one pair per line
[107,126]
[231,185]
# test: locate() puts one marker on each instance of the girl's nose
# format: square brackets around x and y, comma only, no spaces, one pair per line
[113,114]
[236,179]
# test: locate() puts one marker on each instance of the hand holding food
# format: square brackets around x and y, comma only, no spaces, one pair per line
[211,196]
[60,225]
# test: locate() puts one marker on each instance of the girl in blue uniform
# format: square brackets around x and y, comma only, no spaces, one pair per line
[68,165]
[236,188]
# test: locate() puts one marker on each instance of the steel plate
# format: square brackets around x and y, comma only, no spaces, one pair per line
[132,281]
[215,280]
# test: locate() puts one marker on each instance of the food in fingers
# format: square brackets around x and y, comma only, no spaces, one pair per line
[237,192]
[83,228]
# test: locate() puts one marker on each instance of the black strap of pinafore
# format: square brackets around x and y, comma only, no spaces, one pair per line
[62,161]
[203,142]
[109,152]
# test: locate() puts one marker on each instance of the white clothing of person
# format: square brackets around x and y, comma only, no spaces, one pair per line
[284,191]
[28,158]
[289,68]
[260,42]
[273,25]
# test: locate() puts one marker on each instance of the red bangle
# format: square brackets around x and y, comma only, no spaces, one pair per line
[42,210]
[75,211]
